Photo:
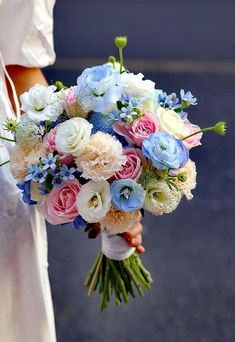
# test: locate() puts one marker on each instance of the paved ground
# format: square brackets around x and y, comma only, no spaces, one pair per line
[191,252]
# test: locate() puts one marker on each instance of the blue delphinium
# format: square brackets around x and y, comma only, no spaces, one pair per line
[187,98]
[49,162]
[165,151]
[25,187]
[167,101]
[36,174]
[127,195]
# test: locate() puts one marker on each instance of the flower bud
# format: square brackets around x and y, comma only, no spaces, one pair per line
[121,41]
[220,128]
[182,176]
[112,59]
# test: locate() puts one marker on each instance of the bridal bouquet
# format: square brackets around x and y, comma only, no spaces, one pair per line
[100,152]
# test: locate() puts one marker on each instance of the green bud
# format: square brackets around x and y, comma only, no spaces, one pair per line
[11,125]
[121,41]
[220,128]
[112,59]
[182,176]
[59,85]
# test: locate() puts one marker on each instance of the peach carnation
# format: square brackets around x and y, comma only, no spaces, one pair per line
[101,157]
[117,221]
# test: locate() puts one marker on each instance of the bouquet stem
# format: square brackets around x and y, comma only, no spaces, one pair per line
[118,278]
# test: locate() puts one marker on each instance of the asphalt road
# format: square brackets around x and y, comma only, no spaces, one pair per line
[190,253]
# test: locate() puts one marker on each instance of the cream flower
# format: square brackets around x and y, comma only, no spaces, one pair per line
[190,183]
[101,158]
[72,136]
[159,198]
[117,221]
[135,86]
[171,122]
[94,200]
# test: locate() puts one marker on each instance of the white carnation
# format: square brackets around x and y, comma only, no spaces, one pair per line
[73,135]
[94,200]
[42,103]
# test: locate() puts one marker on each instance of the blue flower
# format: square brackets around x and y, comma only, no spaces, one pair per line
[188,98]
[103,123]
[167,101]
[66,173]
[36,174]
[79,222]
[165,151]
[25,187]
[49,162]
[127,195]
[98,89]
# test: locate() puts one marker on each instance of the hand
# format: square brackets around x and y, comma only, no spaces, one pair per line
[134,238]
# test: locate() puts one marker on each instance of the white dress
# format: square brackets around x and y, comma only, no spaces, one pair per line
[26,312]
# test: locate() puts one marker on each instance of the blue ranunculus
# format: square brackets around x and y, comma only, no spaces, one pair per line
[98,89]
[127,195]
[165,151]
[25,187]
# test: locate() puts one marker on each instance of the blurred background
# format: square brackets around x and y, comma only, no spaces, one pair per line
[190,253]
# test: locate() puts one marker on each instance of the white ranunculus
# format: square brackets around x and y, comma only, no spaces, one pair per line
[42,103]
[135,86]
[171,122]
[73,135]
[94,201]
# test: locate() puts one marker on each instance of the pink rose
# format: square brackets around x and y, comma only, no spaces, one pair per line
[138,130]
[195,139]
[49,139]
[59,206]
[132,167]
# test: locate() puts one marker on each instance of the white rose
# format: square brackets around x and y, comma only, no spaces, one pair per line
[73,135]
[171,122]
[42,103]
[135,86]
[94,201]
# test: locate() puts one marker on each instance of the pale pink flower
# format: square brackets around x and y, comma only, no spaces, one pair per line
[59,206]
[194,140]
[71,105]
[190,183]
[101,157]
[138,130]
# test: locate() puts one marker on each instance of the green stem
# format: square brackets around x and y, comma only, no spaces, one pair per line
[201,131]
[7,139]
[6,162]
[121,59]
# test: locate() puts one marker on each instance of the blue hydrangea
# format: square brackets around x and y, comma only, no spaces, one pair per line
[165,151]
[127,195]
[25,187]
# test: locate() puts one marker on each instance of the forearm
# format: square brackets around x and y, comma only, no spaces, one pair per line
[23,78]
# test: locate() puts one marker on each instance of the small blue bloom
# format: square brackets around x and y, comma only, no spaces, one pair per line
[188,98]
[25,187]
[79,222]
[66,173]
[127,195]
[36,174]
[57,181]
[49,162]
[167,101]
[165,151]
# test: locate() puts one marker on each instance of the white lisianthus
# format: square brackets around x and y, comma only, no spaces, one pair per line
[73,135]
[171,122]
[159,198]
[135,86]
[94,201]
[42,103]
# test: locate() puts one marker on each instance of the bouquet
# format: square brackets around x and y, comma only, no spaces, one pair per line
[101,151]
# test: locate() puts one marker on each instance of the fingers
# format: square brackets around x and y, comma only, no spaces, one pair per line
[140,249]
[134,233]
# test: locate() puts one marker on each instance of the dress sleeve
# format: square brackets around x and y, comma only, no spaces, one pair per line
[26,32]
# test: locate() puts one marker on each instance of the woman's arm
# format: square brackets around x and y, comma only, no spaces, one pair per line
[23,78]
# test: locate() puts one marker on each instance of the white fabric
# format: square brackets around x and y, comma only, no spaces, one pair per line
[115,247]
[26,312]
